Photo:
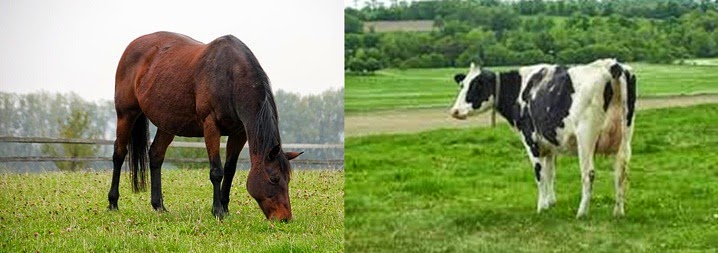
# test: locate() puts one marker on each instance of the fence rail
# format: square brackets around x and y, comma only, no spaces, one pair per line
[173,144]
[333,162]
[336,163]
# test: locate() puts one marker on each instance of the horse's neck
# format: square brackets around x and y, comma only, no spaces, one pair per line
[262,129]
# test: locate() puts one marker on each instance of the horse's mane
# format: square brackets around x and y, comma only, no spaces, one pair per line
[266,128]
[266,134]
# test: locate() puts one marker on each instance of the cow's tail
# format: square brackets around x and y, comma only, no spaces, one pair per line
[624,84]
[626,80]
[137,150]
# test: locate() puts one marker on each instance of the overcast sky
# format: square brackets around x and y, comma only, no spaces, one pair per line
[74,45]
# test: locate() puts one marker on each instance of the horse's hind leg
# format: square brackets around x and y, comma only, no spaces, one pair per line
[157,156]
[125,123]
[235,143]
[216,173]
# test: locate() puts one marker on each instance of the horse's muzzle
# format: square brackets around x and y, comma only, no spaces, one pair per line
[281,214]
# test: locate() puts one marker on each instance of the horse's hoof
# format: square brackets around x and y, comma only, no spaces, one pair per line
[161,209]
[112,207]
[219,213]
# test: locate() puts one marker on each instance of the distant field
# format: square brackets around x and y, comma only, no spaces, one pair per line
[435,88]
[427,25]
[708,61]
[399,26]
[472,190]
[66,212]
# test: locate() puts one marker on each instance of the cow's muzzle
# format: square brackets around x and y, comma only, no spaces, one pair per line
[457,115]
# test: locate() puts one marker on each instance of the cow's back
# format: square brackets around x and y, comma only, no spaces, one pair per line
[564,100]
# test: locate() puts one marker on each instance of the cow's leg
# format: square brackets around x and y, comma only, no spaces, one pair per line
[621,171]
[586,137]
[549,174]
[533,152]
[157,156]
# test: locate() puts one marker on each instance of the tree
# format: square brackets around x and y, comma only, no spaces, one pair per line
[365,60]
[77,125]
[701,44]
[352,24]
[498,55]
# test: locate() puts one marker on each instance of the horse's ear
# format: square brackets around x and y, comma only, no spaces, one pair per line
[274,152]
[292,155]
[459,77]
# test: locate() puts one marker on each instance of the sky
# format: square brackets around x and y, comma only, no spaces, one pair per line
[74,45]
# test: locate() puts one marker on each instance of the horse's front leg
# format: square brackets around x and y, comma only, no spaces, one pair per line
[235,143]
[211,140]
[157,156]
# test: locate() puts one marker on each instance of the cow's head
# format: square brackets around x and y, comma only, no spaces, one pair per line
[476,92]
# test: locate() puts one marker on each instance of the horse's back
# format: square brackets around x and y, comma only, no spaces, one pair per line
[178,82]
[154,76]
[141,51]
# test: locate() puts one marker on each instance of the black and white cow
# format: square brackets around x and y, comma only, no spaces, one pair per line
[582,110]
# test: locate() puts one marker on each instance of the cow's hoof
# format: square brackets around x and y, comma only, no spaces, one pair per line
[618,211]
[543,205]
[551,201]
[112,207]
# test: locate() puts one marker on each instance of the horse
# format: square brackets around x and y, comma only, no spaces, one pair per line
[191,89]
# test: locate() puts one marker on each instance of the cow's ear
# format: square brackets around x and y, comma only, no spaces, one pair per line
[459,77]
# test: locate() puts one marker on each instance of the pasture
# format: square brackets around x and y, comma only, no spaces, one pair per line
[468,190]
[48,212]
[434,88]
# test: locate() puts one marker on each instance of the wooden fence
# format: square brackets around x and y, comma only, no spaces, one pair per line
[329,163]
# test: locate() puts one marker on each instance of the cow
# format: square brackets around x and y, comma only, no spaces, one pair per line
[580,110]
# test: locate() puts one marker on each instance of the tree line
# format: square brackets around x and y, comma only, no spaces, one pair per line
[531,31]
[467,10]
[303,119]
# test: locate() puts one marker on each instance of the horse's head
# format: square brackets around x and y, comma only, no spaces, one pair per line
[268,183]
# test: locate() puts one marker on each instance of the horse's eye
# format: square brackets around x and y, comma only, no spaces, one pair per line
[274,179]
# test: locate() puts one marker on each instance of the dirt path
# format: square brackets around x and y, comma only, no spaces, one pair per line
[418,120]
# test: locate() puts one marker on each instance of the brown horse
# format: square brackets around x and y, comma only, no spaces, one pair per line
[191,89]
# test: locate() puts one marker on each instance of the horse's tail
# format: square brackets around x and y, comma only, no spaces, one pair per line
[137,150]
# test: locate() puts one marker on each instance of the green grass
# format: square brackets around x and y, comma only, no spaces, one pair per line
[472,190]
[432,88]
[64,212]
[700,61]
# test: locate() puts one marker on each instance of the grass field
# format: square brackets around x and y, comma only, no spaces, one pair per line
[702,61]
[431,88]
[66,212]
[472,190]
